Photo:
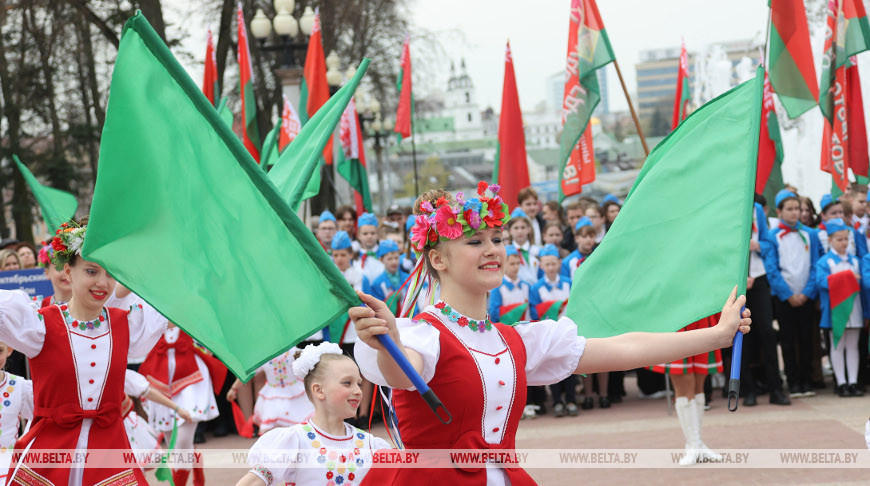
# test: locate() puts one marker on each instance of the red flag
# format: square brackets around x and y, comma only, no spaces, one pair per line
[511,165]
[681,100]
[314,91]
[244,426]
[290,125]
[352,164]
[250,132]
[766,146]
[857,128]
[209,79]
[403,112]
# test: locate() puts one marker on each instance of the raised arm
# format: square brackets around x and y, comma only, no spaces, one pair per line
[639,349]
[21,326]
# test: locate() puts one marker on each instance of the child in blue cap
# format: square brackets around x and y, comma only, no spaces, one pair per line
[584,236]
[832,208]
[520,229]
[326,228]
[391,279]
[367,246]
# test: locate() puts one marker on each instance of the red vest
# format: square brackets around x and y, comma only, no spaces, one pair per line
[156,365]
[460,389]
[58,416]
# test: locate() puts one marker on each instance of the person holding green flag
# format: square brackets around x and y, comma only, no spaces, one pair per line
[464,357]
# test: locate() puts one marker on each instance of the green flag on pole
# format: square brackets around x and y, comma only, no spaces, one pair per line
[680,243]
[57,206]
[181,216]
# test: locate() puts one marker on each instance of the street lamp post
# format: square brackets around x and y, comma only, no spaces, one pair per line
[369,113]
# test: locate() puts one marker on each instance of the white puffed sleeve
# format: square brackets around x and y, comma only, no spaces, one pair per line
[21,326]
[553,350]
[146,327]
[135,384]
[26,398]
[266,457]
[417,335]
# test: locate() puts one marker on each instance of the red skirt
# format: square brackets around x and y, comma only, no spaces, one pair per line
[703,364]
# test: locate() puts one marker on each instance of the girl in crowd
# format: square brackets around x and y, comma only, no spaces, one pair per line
[26,254]
[464,357]
[520,229]
[9,260]
[332,383]
[346,216]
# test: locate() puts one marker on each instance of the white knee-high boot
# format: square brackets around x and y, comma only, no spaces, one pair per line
[685,414]
[705,452]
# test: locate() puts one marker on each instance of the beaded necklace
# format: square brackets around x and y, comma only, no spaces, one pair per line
[476,326]
[340,465]
[82,325]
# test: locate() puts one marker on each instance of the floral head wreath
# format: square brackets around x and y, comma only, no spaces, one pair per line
[311,356]
[67,243]
[445,221]
[44,256]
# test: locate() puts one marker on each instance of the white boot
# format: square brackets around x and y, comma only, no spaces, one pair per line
[685,414]
[705,453]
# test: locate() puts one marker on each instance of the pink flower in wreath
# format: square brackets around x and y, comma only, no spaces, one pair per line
[420,232]
[447,224]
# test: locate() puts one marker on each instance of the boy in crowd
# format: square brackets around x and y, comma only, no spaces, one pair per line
[367,243]
[529,203]
[584,237]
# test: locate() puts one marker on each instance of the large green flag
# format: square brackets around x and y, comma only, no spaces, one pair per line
[269,155]
[679,244]
[181,216]
[57,206]
[300,161]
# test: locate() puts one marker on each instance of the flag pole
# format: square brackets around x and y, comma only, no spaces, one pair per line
[414,152]
[631,108]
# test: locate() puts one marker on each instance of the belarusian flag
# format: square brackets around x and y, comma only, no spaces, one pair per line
[313,93]
[790,57]
[225,113]
[210,86]
[511,169]
[352,158]
[300,162]
[843,288]
[250,132]
[857,127]
[57,206]
[848,34]
[551,309]
[681,99]
[588,49]
[406,99]
[769,145]
[173,176]
[695,186]
[280,135]
[512,313]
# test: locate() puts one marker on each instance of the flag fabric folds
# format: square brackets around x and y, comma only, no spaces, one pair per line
[181,210]
[406,98]
[588,50]
[210,86]
[511,169]
[770,153]
[57,206]
[682,97]
[679,244]
[843,288]
[352,160]
[250,131]
[301,160]
[790,57]
[281,134]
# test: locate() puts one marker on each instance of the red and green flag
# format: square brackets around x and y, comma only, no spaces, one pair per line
[57,206]
[403,85]
[210,78]
[352,160]
[551,309]
[588,50]
[843,288]
[280,135]
[250,131]
[848,33]
[790,57]
[511,169]
[681,99]
[857,126]
[314,92]
[512,313]
[768,177]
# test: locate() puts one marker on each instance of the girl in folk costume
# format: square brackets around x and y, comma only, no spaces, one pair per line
[477,368]
[16,404]
[58,279]
[282,401]
[142,436]
[837,276]
[367,246]
[78,356]
[182,371]
[344,452]
[519,227]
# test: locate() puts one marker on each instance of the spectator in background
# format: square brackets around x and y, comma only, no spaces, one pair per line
[395,215]
[519,229]
[596,216]
[26,254]
[9,260]
[611,209]
[346,216]
[554,235]
[8,243]
[326,228]
[859,207]
[531,205]
[809,217]
[573,212]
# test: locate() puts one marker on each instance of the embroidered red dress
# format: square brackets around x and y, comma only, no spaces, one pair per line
[78,379]
[481,378]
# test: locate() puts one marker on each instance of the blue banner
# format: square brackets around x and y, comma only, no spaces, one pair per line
[32,281]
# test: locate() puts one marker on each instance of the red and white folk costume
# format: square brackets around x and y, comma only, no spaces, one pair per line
[481,377]
[282,401]
[78,379]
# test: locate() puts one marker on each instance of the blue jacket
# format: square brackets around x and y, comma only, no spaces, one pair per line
[823,270]
[507,293]
[795,249]
[382,287]
[542,287]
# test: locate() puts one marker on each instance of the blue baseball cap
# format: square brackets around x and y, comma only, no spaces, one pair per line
[387,246]
[341,241]
[549,250]
[584,221]
[327,216]
[835,224]
[783,195]
[367,219]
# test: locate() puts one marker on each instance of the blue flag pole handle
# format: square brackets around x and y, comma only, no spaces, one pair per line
[736,358]
[428,395]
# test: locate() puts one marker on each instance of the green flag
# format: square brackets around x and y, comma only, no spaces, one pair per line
[270,147]
[225,113]
[679,244]
[57,206]
[300,162]
[181,216]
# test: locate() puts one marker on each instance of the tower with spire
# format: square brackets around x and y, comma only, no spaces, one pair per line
[461,104]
